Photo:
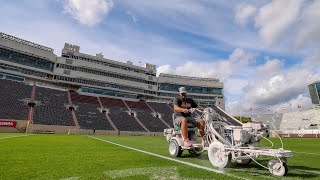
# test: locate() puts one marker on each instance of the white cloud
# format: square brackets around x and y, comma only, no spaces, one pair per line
[279,90]
[274,86]
[196,17]
[235,86]
[280,87]
[303,100]
[243,12]
[241,57]
[210,70]
[309,27]
[166,69]
[275,18]
[88,12]
[313,61]
[221,69]
[270,67]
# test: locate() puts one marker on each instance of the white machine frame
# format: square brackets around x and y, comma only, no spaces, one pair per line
[226,144]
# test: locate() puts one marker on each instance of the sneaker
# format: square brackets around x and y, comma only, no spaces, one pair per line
[187,143]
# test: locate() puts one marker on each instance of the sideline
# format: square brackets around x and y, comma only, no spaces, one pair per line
[15,136]
[170,159]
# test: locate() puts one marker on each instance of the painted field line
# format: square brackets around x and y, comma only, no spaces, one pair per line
[254,172]
[306,153]
[71,178]
[14,136]
[154,173]
[308,171]
[170,159]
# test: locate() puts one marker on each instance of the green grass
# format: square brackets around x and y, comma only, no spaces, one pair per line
[81,157]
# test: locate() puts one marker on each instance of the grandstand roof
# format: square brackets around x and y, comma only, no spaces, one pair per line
[189,77]
[25,42]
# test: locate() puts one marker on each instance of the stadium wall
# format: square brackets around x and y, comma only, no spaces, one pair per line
[50,129]
[296,134]
[19,128]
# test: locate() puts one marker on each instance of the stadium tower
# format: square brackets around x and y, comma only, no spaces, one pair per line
[314,90]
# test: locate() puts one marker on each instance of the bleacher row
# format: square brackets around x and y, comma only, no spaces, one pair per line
[54,107]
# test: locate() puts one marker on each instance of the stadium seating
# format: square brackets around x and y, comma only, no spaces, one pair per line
[299,120]
[273,120]
[52,110]
[11,95]
[144,114]
[88,114]
[164,110]
[118,113]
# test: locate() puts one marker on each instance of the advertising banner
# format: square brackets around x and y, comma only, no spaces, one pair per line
[8,123]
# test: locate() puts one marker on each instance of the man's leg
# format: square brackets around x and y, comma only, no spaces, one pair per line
[184,132]
[184,128]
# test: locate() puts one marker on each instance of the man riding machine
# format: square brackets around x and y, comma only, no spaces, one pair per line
[185,135]
[225,143]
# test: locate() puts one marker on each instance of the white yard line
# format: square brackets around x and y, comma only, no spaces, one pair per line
[170,159]
[308,171]
[306,153]
[13,136]
[71,178]
[150,172]
[254,173]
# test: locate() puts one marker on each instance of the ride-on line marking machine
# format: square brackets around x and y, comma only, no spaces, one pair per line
[226,143]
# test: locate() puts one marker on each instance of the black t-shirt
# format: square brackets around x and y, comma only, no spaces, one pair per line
[184,103]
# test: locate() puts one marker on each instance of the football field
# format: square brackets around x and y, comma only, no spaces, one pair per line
[35,156]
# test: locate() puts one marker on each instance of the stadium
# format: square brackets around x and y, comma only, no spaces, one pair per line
[79,116]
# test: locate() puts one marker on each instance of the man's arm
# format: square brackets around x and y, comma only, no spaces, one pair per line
[179,109]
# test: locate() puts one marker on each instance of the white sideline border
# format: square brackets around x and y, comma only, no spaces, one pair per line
[14,136]
[170,159]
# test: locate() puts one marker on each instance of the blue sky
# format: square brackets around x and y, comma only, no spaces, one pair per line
[265,52]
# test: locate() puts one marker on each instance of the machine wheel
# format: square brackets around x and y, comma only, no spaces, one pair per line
[277,168]
[244,161]
[174,148]
[218,156]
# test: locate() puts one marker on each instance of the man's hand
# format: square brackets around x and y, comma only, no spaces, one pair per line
[200,108]
[186,111]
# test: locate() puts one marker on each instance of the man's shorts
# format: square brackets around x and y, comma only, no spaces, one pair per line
[193,121]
